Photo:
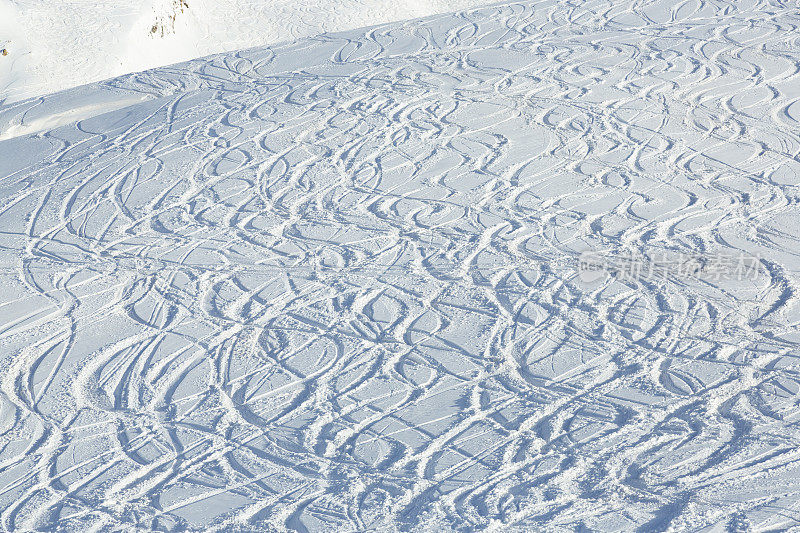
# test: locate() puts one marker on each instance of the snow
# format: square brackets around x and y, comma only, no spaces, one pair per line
[57,45]
[531,266]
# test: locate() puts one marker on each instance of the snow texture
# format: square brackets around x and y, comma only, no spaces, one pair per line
[339,284]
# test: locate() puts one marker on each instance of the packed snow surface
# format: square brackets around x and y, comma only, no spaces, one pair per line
[478,270]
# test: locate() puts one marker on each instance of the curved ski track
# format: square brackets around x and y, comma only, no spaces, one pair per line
[331,285]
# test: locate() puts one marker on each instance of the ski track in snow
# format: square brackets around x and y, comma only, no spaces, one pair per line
[330,285]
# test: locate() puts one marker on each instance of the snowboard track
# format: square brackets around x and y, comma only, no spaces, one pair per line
[332,284]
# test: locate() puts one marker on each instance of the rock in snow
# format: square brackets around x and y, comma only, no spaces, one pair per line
[527,267]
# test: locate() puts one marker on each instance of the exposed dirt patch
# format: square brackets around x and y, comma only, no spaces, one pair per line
[165,23]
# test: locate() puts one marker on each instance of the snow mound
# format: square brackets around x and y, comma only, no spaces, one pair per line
[527,267]
[51,46]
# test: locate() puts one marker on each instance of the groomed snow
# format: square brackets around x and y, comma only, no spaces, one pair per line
[349,283]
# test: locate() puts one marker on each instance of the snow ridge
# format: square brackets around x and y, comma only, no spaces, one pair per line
[52,46]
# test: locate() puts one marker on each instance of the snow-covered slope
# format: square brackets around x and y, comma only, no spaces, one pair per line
[533,266]
[54,45]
